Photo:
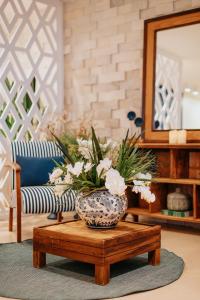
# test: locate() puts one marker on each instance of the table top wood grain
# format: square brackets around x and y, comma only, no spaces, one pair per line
[78,232]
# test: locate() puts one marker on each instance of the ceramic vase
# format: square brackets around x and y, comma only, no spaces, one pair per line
[178,201]
[101,209]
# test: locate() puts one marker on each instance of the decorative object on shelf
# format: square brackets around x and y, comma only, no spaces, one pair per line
[137,120]
[173,137]
[182,137]
[177,137]
[182,214]
[131,115]
[178,201]
[100,171]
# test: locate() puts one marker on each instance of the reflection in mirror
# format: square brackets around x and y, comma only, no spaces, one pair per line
[177,82]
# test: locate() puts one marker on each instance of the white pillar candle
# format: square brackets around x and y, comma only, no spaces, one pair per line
[173,137]
[182,137]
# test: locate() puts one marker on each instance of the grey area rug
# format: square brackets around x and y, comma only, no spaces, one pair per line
[64,279]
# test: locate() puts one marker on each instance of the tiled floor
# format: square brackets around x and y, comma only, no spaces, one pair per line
[184,242]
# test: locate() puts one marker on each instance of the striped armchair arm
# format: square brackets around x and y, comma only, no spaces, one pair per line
[13,166]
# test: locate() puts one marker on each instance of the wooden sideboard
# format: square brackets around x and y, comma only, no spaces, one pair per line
[177,166]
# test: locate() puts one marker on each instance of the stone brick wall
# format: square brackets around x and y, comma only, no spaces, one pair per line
[103,47]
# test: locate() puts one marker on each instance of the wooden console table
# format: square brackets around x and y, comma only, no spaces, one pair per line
[178,166]
[102,248]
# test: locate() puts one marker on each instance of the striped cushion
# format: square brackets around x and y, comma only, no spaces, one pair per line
[41,199]
[34,149]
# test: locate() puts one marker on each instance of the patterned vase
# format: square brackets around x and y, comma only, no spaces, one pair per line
[101,209]
[178,201]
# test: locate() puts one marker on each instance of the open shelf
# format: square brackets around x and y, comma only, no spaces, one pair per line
[187,181]
[178,166]
[169,146]
[158,215]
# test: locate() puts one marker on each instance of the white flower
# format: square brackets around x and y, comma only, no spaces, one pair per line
[77,169]
[139,183]
[68,179]
[146,176]
[142,186]
[59,187]
[142,179]
[115,183]
[55,175]
[145,192]
[85,147]
[105,165]
[142,176]
[148,196]
[109,143]
[106,145]
[88,166]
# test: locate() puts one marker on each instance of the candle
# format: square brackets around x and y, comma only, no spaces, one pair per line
[173,137]
[181,137]
[177,137]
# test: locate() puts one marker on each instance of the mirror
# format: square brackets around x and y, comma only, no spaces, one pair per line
[171,76]
[177,81]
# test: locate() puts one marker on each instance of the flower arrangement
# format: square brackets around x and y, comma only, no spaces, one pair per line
[92,164]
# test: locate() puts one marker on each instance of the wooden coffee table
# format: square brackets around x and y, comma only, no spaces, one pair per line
[102,248]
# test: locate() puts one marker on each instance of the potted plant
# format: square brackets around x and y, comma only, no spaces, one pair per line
[100,172]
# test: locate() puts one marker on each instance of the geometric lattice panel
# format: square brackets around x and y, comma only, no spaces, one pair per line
[167,114]
[4,176]
[31,85]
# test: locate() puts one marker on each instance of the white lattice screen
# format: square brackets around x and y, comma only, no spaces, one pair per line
[167,92]
[31,76]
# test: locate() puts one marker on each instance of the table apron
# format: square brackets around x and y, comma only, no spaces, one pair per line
[90,257]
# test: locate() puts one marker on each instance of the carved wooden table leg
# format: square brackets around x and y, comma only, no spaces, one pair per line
[102,274]
[154,257]
[39,259]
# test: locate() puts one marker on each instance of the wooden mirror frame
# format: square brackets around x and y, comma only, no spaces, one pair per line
[151,27]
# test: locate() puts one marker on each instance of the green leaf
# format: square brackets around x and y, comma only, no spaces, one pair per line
[64,169]
[94,153]
[126,138]
[63,149]
[97,146]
